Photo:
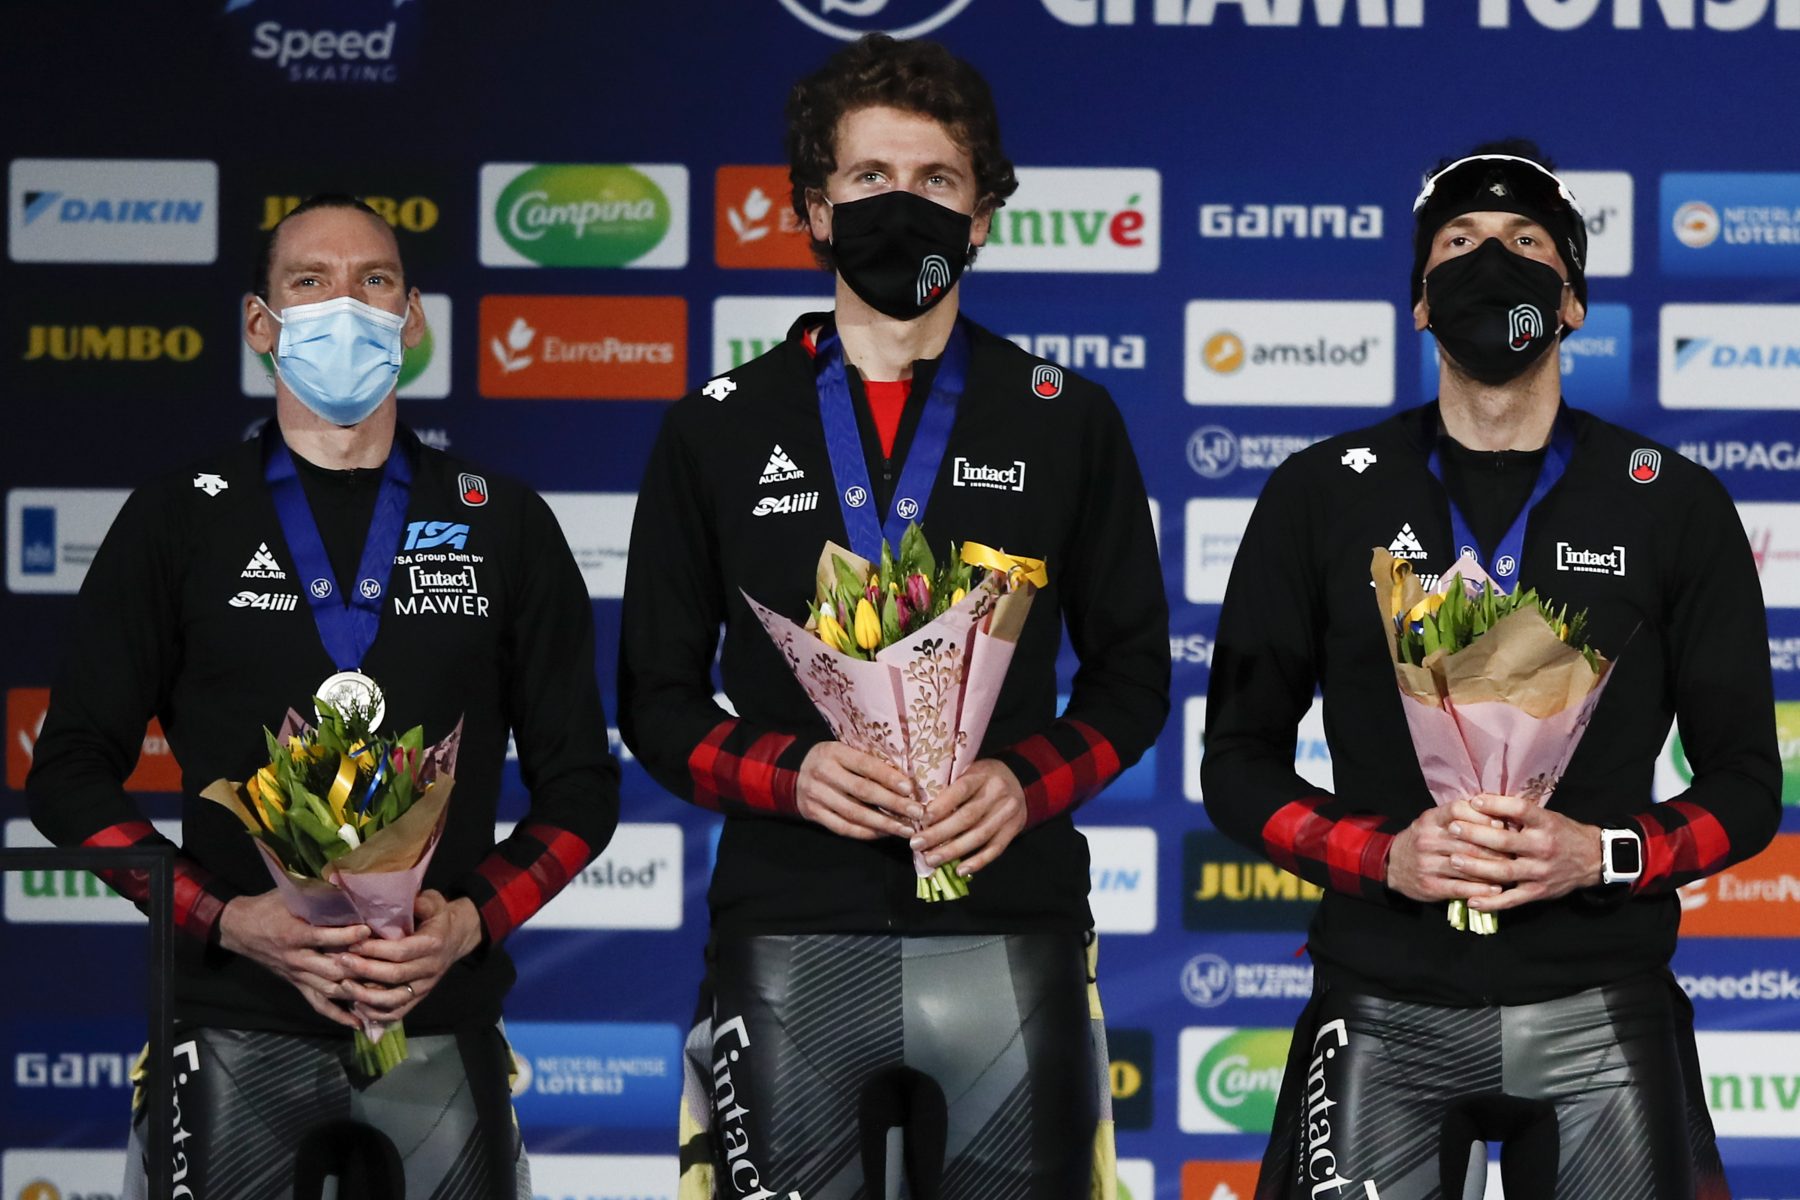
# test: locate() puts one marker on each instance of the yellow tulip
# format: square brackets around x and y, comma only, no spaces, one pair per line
[956,597]
[868,625]
[1429,604]
[832,634]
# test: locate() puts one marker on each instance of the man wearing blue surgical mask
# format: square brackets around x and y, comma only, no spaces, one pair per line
[336,556]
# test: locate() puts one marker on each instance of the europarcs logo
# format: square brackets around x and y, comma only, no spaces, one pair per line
[851,19]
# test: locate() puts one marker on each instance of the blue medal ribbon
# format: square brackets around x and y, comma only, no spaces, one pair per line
[924,458]
[1509,554]
[347,619]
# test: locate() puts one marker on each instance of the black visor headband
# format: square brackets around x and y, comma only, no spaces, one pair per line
[1501,183]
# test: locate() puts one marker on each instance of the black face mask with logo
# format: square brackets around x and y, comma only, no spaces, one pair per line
[1491,310]
[900,252]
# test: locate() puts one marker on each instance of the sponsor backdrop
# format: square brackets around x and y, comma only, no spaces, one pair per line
[1212,221]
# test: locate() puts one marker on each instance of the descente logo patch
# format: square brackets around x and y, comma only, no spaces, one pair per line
[1010,478]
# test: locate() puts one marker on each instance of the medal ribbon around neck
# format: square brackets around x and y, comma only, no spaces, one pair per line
[924,458]
[347,620]
[1511,549]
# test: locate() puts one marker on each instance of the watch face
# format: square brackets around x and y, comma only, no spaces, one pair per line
[1625,856]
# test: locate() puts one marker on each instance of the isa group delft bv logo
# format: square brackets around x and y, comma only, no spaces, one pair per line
[327,43]
[584,215]
[850,19]
[1596,361]
[1731,224]
[112,210]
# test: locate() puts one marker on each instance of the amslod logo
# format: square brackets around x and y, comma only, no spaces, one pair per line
[1230,1078]
[583,215]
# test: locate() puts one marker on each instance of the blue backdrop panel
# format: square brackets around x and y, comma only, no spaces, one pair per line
[1204,180]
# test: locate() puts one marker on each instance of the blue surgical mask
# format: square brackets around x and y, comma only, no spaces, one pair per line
[339,357]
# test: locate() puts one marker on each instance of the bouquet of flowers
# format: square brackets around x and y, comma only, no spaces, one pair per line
[1497,689]
[904,658]
[347,821]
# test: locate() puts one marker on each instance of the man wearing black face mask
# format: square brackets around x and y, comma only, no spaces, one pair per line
[1564,1036]
[842,1007]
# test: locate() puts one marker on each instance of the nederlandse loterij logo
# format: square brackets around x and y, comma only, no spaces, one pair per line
[583,215]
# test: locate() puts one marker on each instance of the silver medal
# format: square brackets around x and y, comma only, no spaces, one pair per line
[350,691]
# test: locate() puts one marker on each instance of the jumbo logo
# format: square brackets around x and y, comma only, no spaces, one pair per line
[413,214]
[113,343]
[564,215]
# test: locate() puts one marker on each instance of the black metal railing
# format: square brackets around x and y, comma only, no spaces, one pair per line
[158,865]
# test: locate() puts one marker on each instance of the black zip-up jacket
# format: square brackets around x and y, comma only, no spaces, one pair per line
[1038,464]
[195,611]
[1644,540]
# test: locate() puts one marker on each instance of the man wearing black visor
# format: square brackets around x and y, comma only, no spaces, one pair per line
[1563,1036]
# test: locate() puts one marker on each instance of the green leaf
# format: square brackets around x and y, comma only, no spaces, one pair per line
[848,581]
[890,620]
[886,575]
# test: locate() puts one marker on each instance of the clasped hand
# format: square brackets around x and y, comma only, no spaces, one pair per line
[380,979]
[1496,852]
[856,795]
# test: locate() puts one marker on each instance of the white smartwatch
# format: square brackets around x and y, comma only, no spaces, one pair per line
[1621,855]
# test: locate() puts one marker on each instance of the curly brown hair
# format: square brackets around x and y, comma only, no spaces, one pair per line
[913,76]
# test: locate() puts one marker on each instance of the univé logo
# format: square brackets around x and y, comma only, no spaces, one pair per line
[1078,219]
[850,19]
[583,215]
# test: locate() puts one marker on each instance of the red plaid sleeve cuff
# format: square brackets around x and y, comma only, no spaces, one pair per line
[1061,768]
[1682,842]
[199,896]
[736,769]
[1319,841]
[522,874]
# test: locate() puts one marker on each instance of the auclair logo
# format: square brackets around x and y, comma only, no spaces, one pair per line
[473,489]
[429,535]
[1047,381]
[1005,479]
[262,565]
[1524,323]
[798,503]
[1594,562]
[1406,544]
[779,469]
[1646,465]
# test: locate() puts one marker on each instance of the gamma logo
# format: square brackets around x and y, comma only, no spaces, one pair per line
[848,20]
[584,215]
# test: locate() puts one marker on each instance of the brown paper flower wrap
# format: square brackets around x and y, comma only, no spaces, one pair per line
[389,819]
[1497,690]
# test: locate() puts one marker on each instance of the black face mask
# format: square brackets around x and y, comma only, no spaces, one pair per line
[900,252]
[1491,310]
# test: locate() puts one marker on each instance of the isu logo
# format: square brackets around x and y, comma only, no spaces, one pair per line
[1646,465]
[1523,324]
[1047,381]
[934,278]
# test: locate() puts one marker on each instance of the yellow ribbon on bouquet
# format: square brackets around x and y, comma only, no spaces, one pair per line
[1018,569]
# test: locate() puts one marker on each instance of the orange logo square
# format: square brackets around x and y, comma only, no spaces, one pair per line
[753,223]
[584,347]
[1214,1180]
[156,770]
[1757,898]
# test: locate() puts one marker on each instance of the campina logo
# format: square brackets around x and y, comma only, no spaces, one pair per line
[1230,1077]
[583,215]
[850,19]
